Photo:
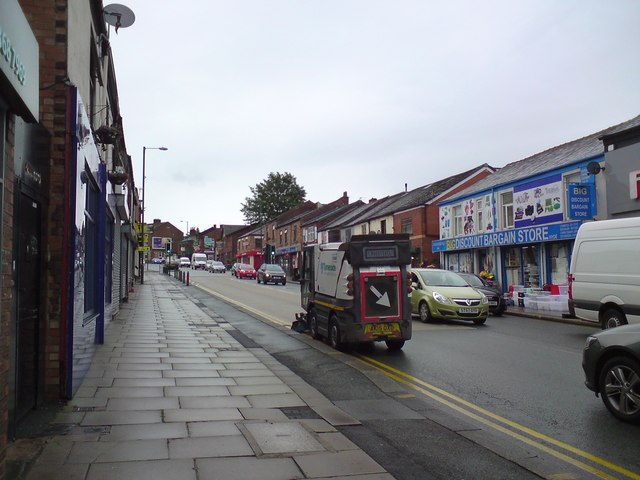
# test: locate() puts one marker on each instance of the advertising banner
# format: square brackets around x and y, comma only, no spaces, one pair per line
[538,202]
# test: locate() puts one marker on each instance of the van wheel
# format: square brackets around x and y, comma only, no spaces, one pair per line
[612,318]
[423,311]
[394,344]
[312,320]
[334,334]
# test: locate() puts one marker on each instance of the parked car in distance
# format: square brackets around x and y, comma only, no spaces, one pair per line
[271,272]
[245,271]
[184,262]
[604,275]
[497,306]
[611,364]
[157,260]
[445,295]
[217,267]
[234,268]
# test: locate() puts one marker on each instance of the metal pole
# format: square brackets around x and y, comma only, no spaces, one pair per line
[144,194]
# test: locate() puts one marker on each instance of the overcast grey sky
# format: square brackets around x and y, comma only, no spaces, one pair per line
[360,96]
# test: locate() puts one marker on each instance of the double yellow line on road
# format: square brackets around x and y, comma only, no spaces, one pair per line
[490,419]
[501,424]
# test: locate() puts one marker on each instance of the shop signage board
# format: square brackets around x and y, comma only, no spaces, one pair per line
[517,236]
[538,202]
[581,200]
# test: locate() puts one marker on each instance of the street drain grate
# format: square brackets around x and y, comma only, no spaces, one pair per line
[300,413]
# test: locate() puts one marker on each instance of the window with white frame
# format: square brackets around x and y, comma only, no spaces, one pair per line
[480,215]
[458,221]
[506,209]
[406,225]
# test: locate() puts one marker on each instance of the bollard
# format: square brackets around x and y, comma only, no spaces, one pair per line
[188,277]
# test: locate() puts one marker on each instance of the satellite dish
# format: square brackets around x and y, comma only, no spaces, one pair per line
[120,16]
[594,168]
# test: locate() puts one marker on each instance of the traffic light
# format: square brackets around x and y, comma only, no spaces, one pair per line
[167,247]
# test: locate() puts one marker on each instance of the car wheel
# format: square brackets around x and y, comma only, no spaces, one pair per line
[394,344]
[619,385]
[312,319]
[335,340]
[258,279]
[284,282]
[423,311]
[612,318]
[480,321]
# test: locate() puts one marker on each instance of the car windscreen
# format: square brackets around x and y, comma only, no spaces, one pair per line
[274,268]
[244,266]
[442,278]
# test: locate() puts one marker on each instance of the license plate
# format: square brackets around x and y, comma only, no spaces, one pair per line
[469,310]
[380,329]
[493,304]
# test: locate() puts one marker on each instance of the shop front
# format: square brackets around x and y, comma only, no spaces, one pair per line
[530,257]
[288,258]
[24,155]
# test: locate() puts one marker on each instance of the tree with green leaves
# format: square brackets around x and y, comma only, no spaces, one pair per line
[276,194]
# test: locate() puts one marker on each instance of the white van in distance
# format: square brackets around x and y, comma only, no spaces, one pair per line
[604,276]
[198,261]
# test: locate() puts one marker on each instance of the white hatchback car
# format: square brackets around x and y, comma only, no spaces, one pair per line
[184,262]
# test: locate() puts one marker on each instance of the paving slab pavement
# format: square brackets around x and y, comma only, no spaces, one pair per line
[172,395]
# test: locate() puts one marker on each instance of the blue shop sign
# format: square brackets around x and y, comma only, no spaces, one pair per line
[285,250]
[582,201]
[517,236]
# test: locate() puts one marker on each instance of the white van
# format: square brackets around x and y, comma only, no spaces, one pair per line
[604,277]
[199,260]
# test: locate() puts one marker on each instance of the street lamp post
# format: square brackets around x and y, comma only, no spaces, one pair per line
[187,222]
[144,196]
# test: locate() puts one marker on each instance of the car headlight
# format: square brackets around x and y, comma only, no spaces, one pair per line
[590,341]
[483,299]
[441,298]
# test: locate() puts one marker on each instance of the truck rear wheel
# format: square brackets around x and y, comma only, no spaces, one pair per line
[312,320]
[335,339]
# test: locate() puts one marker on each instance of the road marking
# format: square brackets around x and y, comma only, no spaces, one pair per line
[243,306]
[468,408]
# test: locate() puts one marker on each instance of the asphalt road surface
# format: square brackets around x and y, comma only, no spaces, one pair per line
[500,400]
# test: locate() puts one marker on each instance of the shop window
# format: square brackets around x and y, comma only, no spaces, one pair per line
[512,264]
[531,268]
[108,261]
[91,248]
[406,225]
[559,262]
[295,233]
[458,221]
[363,229]
[506,203]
